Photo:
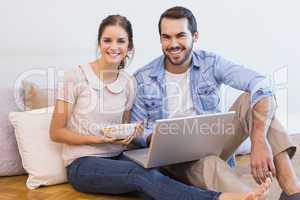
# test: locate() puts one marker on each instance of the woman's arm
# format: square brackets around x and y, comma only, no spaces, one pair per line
[59,132]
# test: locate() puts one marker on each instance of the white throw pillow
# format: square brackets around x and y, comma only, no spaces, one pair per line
[40,156]
[244,148]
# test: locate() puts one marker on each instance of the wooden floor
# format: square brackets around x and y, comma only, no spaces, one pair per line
[275,191]
[13,188]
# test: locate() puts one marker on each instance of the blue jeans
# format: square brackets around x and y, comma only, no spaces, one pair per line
[119,175]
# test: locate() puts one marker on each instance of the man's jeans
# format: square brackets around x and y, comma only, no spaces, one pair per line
[119,175]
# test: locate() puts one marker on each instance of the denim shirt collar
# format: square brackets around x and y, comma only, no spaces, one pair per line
[158,73]
[197,62]
[158,70]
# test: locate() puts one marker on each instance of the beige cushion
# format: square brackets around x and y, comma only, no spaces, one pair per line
[36,97]
[40,156]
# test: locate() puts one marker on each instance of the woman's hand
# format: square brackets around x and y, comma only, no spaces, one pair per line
[138,130]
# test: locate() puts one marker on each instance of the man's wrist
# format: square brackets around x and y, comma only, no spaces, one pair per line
[260,140]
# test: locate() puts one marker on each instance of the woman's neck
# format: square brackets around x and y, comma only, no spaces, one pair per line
[108,73]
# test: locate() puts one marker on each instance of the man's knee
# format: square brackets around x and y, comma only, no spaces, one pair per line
[242,106]
[244,98]
[245,95]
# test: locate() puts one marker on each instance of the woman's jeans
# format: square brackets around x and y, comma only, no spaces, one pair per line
[119,175]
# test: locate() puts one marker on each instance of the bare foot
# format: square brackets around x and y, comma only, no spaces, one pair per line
[258,194]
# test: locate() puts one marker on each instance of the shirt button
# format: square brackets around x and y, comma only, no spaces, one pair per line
[260,91]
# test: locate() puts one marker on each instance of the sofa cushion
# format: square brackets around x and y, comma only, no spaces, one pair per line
[41,157]
[36,97]
[10,160]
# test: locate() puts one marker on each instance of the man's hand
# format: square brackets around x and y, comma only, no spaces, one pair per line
[261,161]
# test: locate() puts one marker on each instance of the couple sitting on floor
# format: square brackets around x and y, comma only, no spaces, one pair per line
[181,82]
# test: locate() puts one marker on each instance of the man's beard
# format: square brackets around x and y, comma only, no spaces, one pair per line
[185,58]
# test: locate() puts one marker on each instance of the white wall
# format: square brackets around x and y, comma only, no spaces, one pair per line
[51,33]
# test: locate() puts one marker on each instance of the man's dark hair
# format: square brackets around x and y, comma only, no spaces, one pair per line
[179,12]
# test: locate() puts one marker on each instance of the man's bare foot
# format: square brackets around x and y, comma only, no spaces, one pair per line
[258,194]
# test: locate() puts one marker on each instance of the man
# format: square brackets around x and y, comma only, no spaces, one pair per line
[185,82]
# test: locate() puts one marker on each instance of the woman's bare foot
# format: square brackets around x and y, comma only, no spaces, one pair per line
[258,194]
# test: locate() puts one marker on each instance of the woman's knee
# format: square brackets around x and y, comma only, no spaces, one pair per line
[139,173]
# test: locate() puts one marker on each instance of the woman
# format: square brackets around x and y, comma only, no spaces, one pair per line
[99,94]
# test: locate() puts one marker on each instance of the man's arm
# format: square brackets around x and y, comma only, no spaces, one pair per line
[241,78]
[263,109]
[261,153]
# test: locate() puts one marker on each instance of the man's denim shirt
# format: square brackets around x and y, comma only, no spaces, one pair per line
[208,72]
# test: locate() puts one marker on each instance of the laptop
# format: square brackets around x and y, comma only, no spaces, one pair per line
[179,140]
